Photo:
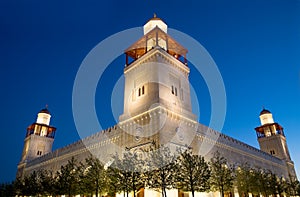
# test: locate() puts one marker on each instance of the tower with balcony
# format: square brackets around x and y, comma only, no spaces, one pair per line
[38,140]
[272,140]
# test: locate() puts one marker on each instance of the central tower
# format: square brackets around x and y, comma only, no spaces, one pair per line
[157,99]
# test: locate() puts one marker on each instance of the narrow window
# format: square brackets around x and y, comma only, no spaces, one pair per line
[272,152]
[141,91]
[174,90]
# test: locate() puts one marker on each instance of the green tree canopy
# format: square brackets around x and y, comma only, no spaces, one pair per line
[68,178]
[193,174]
[93,176]
[245,180]
[126,173]
[7,189]
[161,164]
[221,174]
[47,183]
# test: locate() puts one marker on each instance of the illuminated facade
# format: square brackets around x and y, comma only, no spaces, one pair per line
[38,140]
[272,140]
[157,108]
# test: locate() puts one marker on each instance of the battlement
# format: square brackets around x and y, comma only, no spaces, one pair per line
[80,145]
[203,132]
[227,142]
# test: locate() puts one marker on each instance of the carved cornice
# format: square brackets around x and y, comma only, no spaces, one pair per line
[156,54]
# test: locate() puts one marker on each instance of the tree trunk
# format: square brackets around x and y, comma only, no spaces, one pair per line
[192,185]
[193,192]
[165,192]
[222,191]
[97,188]
[133,187]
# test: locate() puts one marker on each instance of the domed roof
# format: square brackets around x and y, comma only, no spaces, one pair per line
[45,110]
[264,111]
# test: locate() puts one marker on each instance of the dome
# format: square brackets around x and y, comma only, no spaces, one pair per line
[265,111]
[155,22]
[45,110]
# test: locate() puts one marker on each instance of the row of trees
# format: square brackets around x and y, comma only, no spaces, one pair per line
[160,170]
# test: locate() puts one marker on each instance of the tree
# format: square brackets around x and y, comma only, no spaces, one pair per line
[194,173]
[18,186]
[281,186]
[261,182]
[221,175]
[68,178]
[245,180]
[161,170]
[93,177]
[121,175]
[298,188]
[7,189]
[258,181]
[126,173]
[292,186]
[114,183]
[31,185]
[47,183]
[37,183]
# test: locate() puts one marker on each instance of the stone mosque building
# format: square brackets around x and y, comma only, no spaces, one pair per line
[157,108]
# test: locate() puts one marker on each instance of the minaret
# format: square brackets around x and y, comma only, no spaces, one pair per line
[38,140]
[157,89]
[156,73]
[272,140]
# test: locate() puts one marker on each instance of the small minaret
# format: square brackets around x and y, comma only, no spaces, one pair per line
[272,140]
[38,140]
[271,137]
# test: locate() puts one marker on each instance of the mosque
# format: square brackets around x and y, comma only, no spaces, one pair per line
[157,108]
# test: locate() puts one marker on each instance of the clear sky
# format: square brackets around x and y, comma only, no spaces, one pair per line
[255,44]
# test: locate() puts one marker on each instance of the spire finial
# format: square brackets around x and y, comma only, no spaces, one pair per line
[154,15]
[46,106]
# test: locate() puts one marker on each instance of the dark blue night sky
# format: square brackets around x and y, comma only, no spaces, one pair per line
[255,44]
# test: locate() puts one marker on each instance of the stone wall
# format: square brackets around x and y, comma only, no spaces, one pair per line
[114,140]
